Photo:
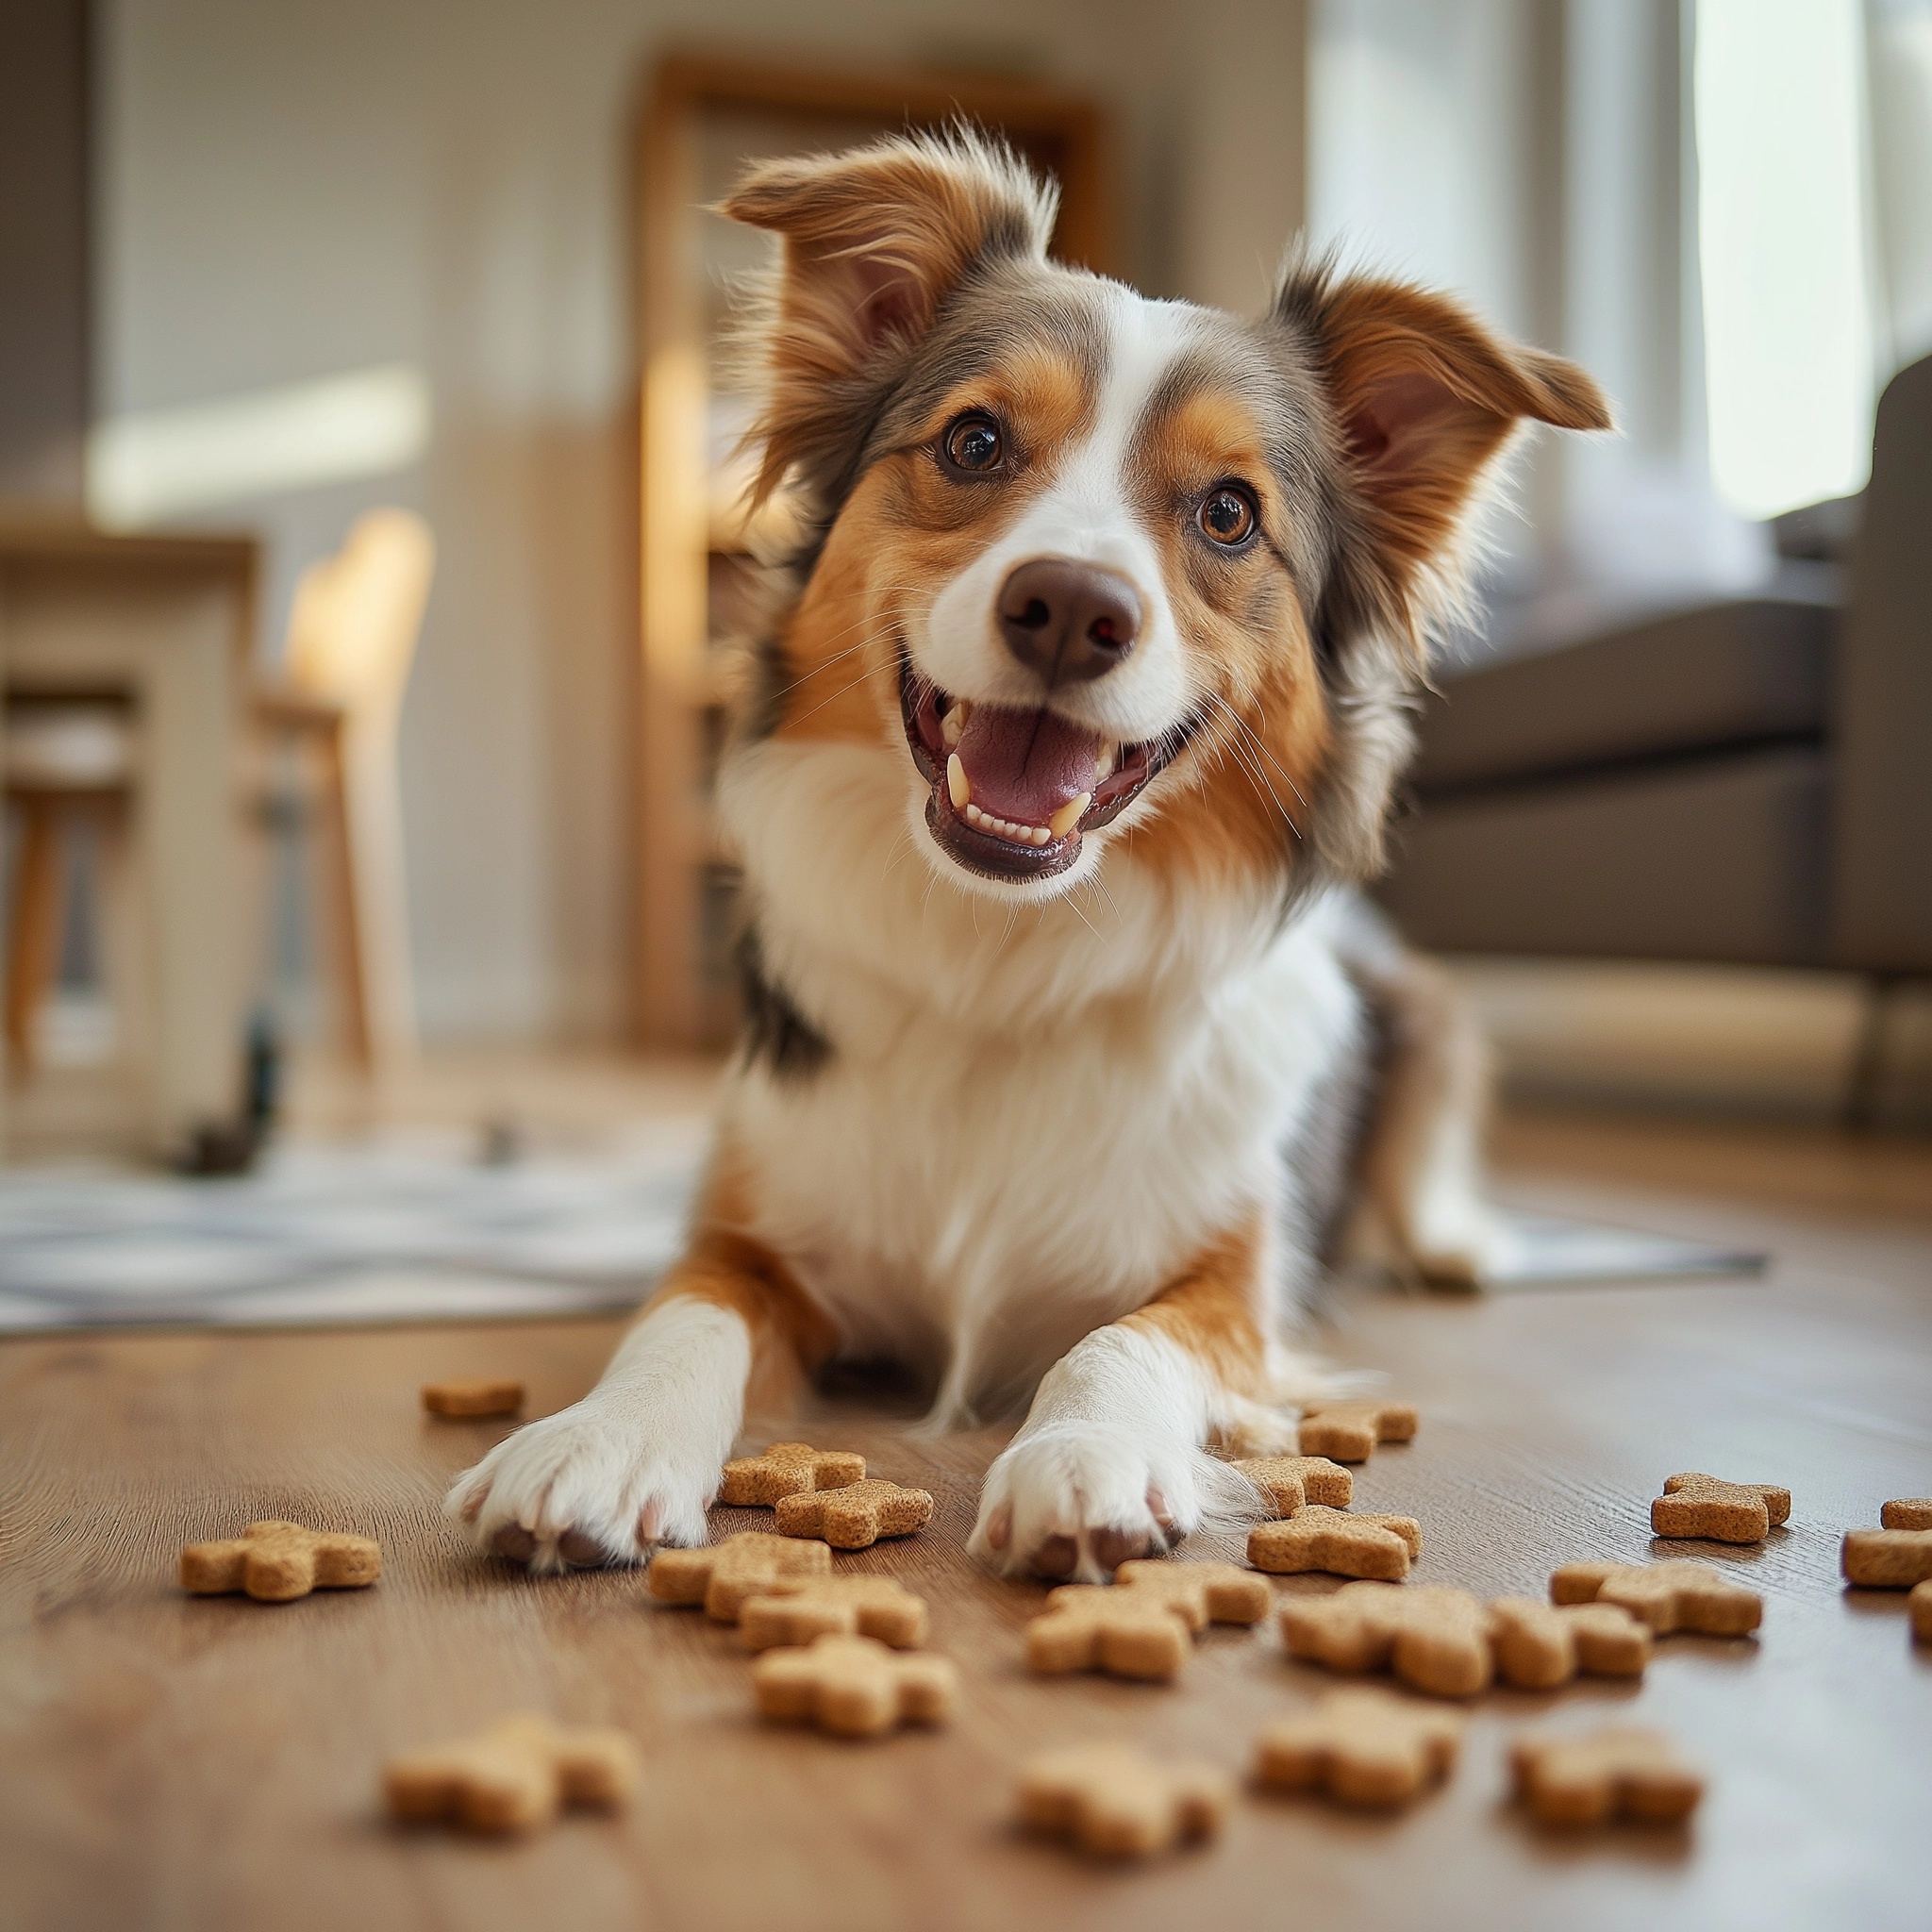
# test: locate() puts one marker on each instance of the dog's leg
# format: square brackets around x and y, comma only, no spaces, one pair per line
[1423,1211]
[1108,1463]
[637,1461]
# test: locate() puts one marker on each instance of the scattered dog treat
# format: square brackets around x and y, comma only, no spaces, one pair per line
[513,1776]
[1366,1747]
[855,1687]
[1349,1431]
[499,1397]
[1114,1803]
[788,1469]
[721,1575]
[1317,1538]
[1292,1481]
[1908,1512]
[1920,1603]
[1887,1559]
[1616,1772]
[1537,1647]
[1434,1639]
[275,1562]
[1203,1593]
[1126,1633]
[855,1515]
[835,1607]
[1701,1505]
[1667,1596]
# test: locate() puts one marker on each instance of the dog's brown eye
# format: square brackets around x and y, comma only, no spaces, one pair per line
[1228,516]
[975,445]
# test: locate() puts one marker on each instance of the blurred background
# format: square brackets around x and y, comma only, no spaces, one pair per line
[367,521]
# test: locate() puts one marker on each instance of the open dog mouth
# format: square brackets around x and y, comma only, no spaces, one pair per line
[1013,790]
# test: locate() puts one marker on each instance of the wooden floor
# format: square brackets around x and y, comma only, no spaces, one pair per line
[212,1763]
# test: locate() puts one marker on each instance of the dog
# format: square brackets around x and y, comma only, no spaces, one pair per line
[1069,1043]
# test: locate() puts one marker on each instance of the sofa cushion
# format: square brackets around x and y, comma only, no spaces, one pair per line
[1719,860]
[1725,674]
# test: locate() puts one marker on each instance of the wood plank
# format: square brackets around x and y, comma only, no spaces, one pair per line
[213,1762]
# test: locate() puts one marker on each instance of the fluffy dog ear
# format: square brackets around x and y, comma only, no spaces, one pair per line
[874,243]
[1425,397]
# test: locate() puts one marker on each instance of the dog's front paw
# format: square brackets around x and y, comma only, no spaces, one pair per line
[1078,1500]
[597,1483]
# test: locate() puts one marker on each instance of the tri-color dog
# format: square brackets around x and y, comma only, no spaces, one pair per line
[1068,1046]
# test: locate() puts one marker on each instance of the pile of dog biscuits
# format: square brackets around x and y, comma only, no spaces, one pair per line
[847,1653]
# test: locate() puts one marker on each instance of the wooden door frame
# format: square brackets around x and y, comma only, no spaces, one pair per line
[672,840]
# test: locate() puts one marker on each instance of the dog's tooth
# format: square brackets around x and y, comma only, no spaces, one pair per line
[1064,820]
[957,783]
[975,817]
[952,725]
[1041,835]
[1105,761]
[962,709]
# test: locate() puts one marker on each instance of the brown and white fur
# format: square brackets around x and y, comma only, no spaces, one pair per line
[1065,1113]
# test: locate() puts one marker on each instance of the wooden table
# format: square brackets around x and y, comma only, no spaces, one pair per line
[166,623]
[212,1763]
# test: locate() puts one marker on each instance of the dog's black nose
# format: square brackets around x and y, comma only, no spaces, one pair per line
[1068,622]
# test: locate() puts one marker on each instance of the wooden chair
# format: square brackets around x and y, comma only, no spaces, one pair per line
[337,702]
[66,759]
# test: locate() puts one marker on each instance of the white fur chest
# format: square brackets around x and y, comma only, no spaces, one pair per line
[1024,1128]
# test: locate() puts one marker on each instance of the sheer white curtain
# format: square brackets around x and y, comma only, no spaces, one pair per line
[1814,146]
[1784,249]
[1899,39]
[1723,208]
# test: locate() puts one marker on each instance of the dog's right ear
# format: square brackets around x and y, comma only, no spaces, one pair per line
[875,242]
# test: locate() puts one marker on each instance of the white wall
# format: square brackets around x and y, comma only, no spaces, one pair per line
[292,190]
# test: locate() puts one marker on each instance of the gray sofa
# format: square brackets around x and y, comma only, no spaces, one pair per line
[1745,783]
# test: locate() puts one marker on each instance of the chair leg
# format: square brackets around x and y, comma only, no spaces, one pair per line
[34,929]
[346,913]
[126,945]
[1865,1084]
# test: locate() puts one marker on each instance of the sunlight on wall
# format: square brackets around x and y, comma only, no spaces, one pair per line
[148,468]
[1782,245]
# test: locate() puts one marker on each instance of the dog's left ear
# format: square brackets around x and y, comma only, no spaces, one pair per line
[875,242]
[1425,397]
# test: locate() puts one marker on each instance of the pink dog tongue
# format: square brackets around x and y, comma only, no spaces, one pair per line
[1025,765]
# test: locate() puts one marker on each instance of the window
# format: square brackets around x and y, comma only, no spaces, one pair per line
[1783,248]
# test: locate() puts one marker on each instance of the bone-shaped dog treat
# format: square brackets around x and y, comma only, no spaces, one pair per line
[721,1575]
[1537,1646]
[275,1562]
[1920,1603]
[512,1776]
[498,1397]
[1704,1505]
[855,1515]
[1367,1747]
[854,1687]
[1908,1512]
[1114,1803]
[835,1607]
[1667,1596]
[1291,1481]
[1627,1772]
[1349,1431]
[788,1469]
[1434,1639]
[1203,1593]
[1887,1559]
[1316,1537]
[1126,1633]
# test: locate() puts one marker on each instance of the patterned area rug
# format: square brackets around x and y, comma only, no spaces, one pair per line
[407,1229]
[413,1228]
